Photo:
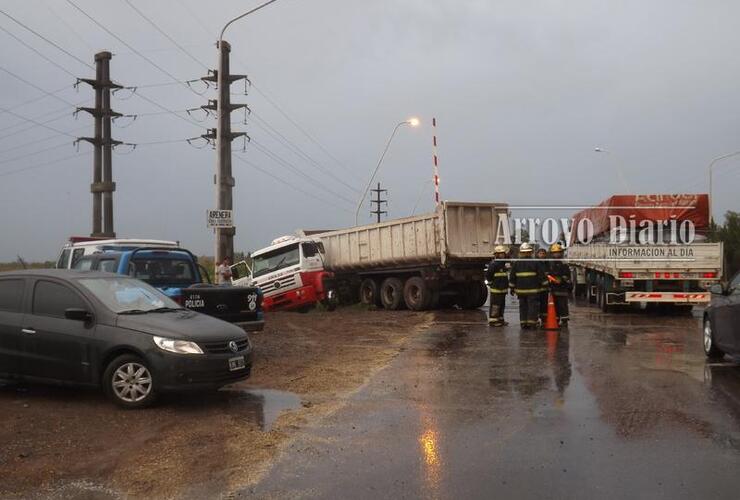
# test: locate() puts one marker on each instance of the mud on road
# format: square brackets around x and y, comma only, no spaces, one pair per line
[63,442]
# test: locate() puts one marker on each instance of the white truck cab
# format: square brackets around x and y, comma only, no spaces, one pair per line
[79,246]
[290,272]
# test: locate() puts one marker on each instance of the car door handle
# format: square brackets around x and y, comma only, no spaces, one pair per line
[29,331]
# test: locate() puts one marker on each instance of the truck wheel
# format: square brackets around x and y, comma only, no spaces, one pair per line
[369,293]
[417,294]
[391,294]
[478,295]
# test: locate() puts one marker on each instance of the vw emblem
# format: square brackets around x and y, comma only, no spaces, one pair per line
[233,346]
[222,307]
[277,285]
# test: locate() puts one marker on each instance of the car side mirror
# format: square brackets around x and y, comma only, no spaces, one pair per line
[77,315]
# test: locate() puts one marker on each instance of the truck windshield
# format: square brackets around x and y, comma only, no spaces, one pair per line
[276,259]
[159,271]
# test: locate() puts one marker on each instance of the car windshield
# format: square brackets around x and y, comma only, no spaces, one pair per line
[163,270]
[277,259]
[126,295]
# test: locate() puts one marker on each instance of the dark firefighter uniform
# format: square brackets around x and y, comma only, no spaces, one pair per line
[525,278]
[541,256]
[560,284]
[497,276]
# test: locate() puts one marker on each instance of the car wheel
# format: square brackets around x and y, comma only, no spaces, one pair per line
[391,294]
[710,348]
[129,383]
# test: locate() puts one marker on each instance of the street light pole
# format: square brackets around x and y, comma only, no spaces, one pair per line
[620,173]
[711,174]
[414,123]
[224,180]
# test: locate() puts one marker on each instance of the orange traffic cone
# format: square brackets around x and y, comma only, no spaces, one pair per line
[551,322]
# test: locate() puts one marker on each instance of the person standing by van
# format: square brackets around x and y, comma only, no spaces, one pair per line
[223,272]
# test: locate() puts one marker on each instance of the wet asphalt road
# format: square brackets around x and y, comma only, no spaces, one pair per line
[618,406]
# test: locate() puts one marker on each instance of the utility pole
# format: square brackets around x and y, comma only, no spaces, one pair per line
[102,187]
[223,136]
[378,202]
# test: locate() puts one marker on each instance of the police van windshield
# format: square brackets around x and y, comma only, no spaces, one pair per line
[162,270]
[276,259]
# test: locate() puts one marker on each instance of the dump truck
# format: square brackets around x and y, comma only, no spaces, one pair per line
[646,249]
[419,262]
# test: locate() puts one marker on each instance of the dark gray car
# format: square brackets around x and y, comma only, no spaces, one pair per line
[100,329]
[722,320]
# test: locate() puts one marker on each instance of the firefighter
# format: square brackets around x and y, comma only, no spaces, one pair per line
[497,277]
[525,280]
[560,283]
[541,254]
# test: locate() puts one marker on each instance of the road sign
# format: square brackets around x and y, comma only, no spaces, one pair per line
[220,218]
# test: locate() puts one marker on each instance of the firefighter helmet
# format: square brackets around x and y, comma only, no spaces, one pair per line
[499,249]
[556,248]
[525,248]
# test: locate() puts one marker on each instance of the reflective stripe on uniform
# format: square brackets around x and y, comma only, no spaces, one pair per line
[526,290]
[498,290]
[525,273]
[500,274]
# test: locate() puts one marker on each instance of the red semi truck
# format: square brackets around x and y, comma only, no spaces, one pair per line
[646,249]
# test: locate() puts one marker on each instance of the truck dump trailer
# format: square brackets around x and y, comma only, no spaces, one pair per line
[419,262]
[658,260]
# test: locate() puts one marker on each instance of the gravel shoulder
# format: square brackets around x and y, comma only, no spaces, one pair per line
[62,442]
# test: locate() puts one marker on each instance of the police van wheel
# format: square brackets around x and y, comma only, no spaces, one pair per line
[391,294]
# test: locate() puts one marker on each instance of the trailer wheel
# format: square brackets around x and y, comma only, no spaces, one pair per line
[417,294]
[391,294]
[369,293]
[479,295]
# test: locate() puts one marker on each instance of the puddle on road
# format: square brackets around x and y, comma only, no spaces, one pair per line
[264,406]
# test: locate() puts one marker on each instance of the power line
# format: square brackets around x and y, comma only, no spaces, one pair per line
[283,181]
[33,49]
[39,124]
[51,148]
[277,158]
[164,34]
[129,46]
[35,141]
[300,128]
[44,164]
[31,84]
[192,57]
[300,152]
[45,39]
[137,52]
[36,99]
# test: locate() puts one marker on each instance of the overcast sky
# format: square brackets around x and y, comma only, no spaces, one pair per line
[523,92]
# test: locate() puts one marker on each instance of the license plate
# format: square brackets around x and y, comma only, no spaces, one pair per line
[237,363]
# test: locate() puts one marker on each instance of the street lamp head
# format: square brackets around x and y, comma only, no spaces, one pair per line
[414,122]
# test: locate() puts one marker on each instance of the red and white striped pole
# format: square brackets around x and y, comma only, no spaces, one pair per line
[436,162]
